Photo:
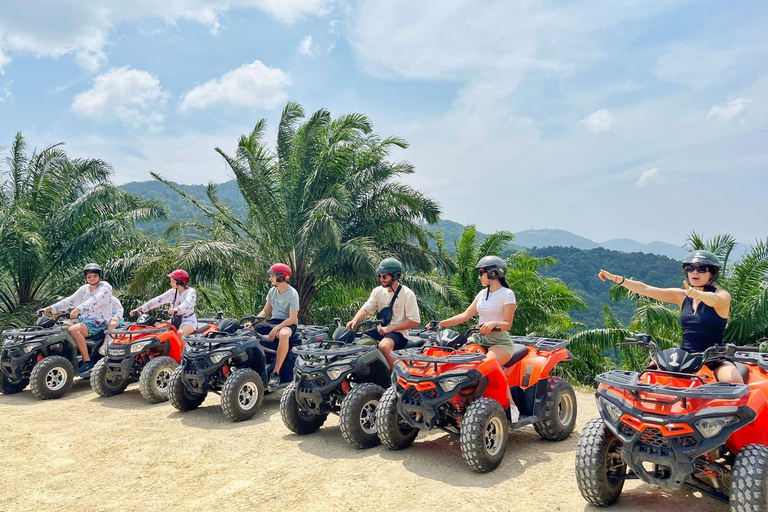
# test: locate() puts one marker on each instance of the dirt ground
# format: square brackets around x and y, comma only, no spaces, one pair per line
[121,453]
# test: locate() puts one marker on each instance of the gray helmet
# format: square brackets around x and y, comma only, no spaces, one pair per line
[92,267]
[390,266]
[495,266]
[702,257]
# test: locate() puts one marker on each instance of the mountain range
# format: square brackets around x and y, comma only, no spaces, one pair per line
[181,210]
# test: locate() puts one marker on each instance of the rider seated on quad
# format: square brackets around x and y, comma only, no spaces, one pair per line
[704,307]
[397,307]
[182,300]
[91,306]
[495,306]
[283,304]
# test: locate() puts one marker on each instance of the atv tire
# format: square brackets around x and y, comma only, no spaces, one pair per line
[394,432]
[181,398]
[559,411]
[749,481]
[242,394]
[104,383]
[599,468]
[357,418]
[298,421]
[155,379]
[484,435]
[10,387]
[52,377]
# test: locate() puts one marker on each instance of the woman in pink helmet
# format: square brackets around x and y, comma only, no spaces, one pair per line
[182,299]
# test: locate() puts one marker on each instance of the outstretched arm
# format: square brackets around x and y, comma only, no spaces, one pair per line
[671,295]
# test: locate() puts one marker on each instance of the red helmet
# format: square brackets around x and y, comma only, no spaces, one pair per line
[180,275]
[280,270]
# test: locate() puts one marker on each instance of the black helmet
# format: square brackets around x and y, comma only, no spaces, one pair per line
[495,266]
[92,268]
[390,266]
[702,257]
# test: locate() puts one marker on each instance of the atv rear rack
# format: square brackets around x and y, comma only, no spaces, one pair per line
[629,381]
[540,343]
[758,358]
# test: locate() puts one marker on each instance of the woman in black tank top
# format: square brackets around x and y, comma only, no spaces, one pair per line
[704,307]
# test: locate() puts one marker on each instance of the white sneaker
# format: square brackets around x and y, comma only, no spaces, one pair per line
[514,414]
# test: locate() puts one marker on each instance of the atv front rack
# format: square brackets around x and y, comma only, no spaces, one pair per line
[135,332]
[344,349]
[30,332]
[540,343]
[628,380]
[411,356]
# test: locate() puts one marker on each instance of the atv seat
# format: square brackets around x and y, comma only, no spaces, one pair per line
[519,352]
[201,328]
[92,341]
[414,342]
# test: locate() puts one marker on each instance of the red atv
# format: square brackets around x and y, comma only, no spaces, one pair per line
[148,352]
[674,425]
[460,392]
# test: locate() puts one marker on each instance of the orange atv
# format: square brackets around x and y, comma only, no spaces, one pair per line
[673,424]
[462,393]
[148,352]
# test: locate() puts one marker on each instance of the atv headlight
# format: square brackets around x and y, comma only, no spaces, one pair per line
[336,371]
[613,411]
[138,347]
[29,347]
[710,427]
[216,357]
[450,383]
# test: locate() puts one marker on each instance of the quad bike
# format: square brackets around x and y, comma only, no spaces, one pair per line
[44,356]
[460,392]
[234,365]
[148,352]
[341,377]
[674,425]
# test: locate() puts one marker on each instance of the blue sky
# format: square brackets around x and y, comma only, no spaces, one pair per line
[642,119]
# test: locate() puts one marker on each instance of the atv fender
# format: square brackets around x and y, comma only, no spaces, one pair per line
[496,387]
[537,365]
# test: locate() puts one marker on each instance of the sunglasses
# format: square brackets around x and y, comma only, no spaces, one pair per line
[382,276]
[482,271]
[698,268]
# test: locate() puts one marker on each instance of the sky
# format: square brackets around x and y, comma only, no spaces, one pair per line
[641,119]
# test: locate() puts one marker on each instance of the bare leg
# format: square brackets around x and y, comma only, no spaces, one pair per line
[728,372]
[79,332]
[386,346]
[282,347]
[186,329]
[114,323]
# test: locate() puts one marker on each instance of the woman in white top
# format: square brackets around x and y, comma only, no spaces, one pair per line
[91,305]
[182,300]
[495,306]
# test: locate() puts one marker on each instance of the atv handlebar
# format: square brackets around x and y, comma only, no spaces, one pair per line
[728,350]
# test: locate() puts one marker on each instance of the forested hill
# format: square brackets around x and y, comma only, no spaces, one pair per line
[578,269]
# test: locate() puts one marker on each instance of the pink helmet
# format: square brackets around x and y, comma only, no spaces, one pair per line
[180,275]
[281,270]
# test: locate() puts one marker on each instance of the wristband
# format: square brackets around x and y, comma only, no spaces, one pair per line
[622,281]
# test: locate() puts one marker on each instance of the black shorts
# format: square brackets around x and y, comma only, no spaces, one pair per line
[266,326]
[400,340]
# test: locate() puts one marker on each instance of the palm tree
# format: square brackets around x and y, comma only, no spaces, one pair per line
[56,214]
[325,201]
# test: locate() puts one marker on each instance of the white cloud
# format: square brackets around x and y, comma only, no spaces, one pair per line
[251,85]
[650,176]
[600,121]
[731,111]
[305,47]
[81,28]
[4,59]
[131,96]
